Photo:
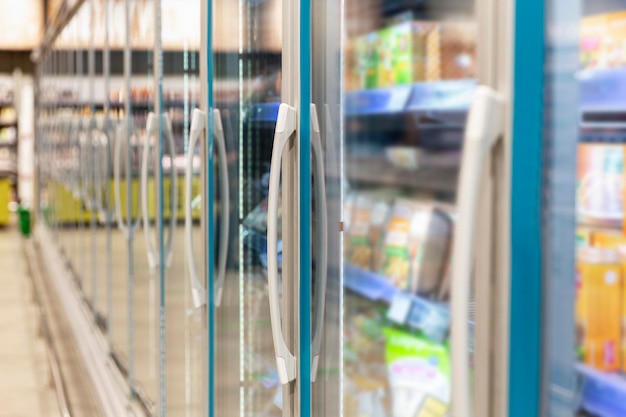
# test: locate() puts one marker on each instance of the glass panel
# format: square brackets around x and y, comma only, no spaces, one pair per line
[103,140]
[145,279]
[391,143]
[185,341]
[121,242]
[584,248]
[247,92]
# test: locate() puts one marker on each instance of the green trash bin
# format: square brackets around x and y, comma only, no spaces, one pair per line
[24,216]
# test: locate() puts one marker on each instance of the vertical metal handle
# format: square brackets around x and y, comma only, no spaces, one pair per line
[151,125]
[198,123]
[169,243]
[151,129]
[123,132]
[285,127]
[220,142]
[322,240]
[484,126]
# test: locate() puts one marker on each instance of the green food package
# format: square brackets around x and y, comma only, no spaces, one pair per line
[419,375]
[371,49]
[386,42]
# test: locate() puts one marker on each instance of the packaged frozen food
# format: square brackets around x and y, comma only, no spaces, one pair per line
[358,238]
[603,41]
[419,375]
[415,248]
[598,307]
[600,184]
[386,43]
[369,48]
[458,50]
[366,230]
[584,237]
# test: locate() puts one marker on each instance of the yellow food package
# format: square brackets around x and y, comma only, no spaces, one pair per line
[598,307]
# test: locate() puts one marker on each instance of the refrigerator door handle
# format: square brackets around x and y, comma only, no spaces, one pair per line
[220,143]
[128,230]
[285,127]
[151,125]
[198,123]
[322,240]
[169,134]
[484,127]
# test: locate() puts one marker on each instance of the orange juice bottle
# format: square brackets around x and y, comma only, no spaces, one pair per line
[599,307]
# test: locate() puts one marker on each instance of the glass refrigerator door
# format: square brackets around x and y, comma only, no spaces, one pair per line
[124,173]
[145,125]
[584,279]
[248,84]
[402,128]
[182,179]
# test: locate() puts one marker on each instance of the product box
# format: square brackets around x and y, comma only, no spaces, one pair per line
[410,51]
[616,241]
[599,307]
[600,179]
[368,50]
[386,45]
[458,50]
[419,375]
[415,247]
[584,237]
[366,231]
[603,41]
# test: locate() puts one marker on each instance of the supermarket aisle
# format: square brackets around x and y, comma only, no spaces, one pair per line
[25,388]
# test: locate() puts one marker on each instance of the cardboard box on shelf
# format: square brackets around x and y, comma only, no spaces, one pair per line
[600,179]
[458,50]
[603,41]
[616,241]
[599,307]
[369,52]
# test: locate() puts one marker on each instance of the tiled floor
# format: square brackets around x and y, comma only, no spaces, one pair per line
[25,380]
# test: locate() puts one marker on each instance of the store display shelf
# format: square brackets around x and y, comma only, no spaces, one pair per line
[602,89]
[440,96]
[430,317]
[602,392]
[435,174]
[604,224]
[617,137]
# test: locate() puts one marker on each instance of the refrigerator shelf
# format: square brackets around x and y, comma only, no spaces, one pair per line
[450,96]
[602,392]
[432,176]
[430,317]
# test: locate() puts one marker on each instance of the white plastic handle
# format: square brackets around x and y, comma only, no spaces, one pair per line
[220,143]
[151,125]
[169,242]
[322,241]
[151,130]
[484,126]
[285,127]
[198,123]
[124,132]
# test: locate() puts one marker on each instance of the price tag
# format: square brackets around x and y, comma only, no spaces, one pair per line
[400,308]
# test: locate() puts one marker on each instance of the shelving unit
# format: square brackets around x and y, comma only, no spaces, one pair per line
[8,157]
[603,393]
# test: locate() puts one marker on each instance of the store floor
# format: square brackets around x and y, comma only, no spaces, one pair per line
[25,382]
